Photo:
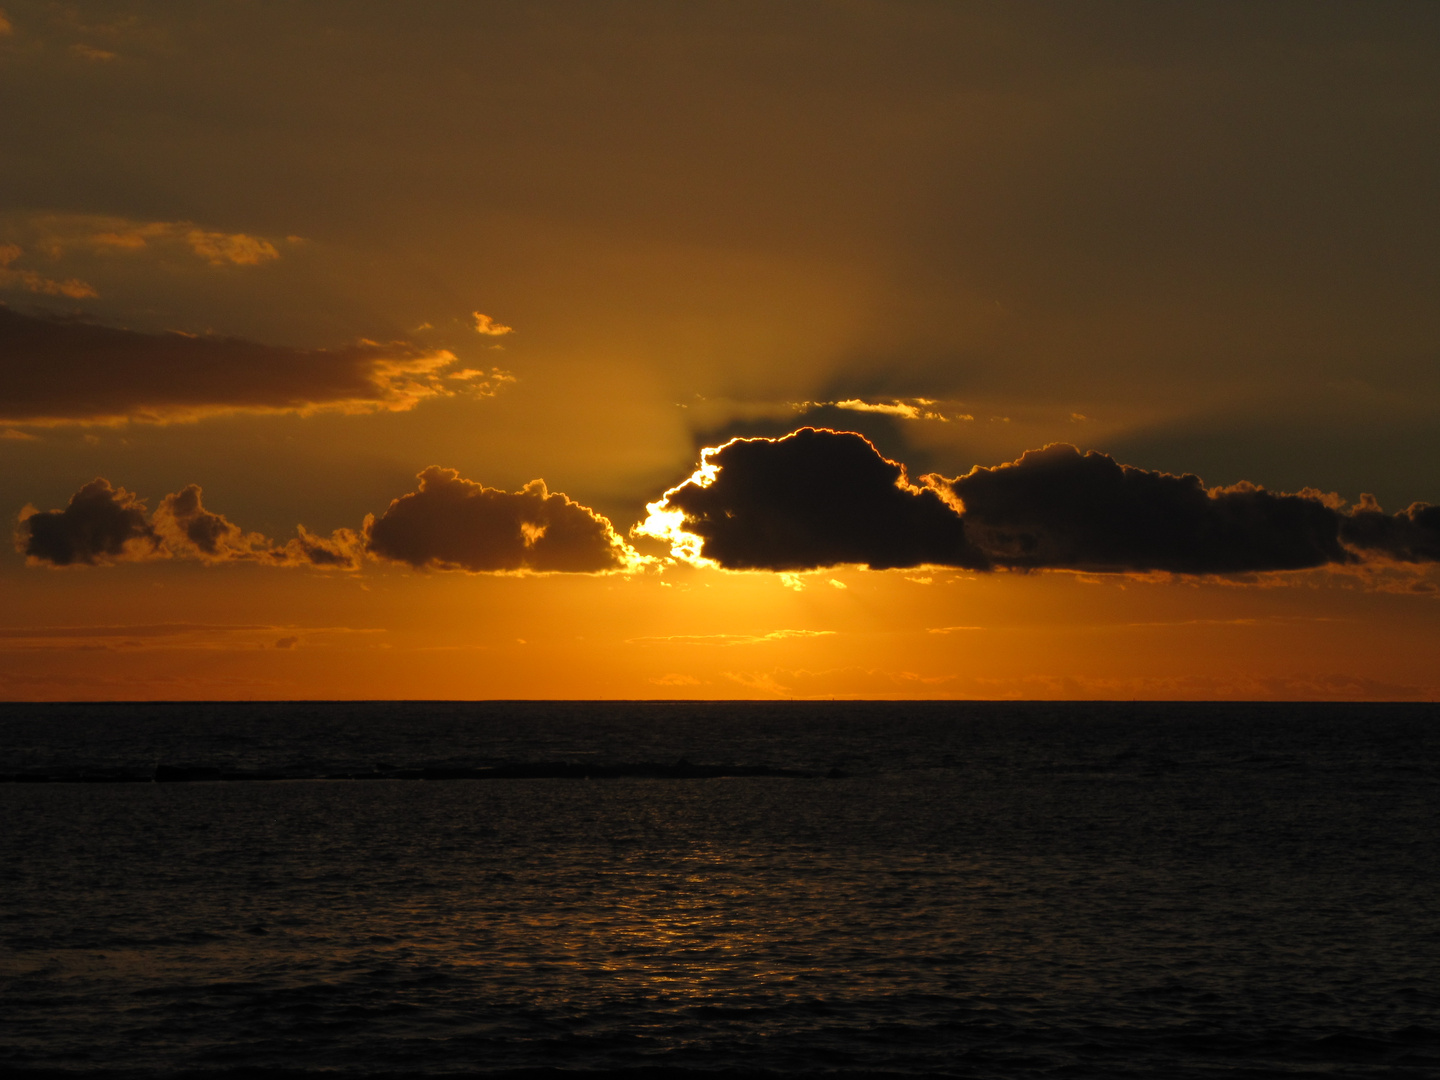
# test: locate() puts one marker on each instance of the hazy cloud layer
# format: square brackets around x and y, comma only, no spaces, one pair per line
[56,236]
[455,524]
[104,525]
[811,499]
[12,276]
[57,370]
[821,498]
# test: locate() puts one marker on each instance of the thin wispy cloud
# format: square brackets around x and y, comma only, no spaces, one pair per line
[728,639]
[57,370]
[58,236]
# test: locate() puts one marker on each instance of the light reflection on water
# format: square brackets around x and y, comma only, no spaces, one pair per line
[1173,910]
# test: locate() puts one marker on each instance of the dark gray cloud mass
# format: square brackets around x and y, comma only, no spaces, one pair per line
[101,524]
[61,370]
[1057,508]
[1412,536]
[104,525]
[821,498]
[451,523]
[818,498]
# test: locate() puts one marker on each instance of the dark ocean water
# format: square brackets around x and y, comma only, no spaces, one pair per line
[981,890]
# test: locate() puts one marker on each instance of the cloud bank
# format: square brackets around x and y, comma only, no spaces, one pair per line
[1058,508]
[103,525]
[450,523]
[60,370]
[811,499]
[819,498]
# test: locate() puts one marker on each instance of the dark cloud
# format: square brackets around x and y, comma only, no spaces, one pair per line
[885,431]
[62,370]
[455,524]
[100,525]
[811,499]
[104,525]
[1411,536]
[821,498]
[1058,508]
[190,531]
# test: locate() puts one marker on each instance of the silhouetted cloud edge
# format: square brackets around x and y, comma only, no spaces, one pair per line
[448,523]
[819,498]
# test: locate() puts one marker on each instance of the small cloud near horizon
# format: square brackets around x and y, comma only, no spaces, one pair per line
[103,525]
[450,523]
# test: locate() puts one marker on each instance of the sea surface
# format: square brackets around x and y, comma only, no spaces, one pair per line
[987,890]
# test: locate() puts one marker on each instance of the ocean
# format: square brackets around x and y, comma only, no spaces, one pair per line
[987,890]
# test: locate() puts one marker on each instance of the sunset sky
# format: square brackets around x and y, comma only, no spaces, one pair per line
[371,350]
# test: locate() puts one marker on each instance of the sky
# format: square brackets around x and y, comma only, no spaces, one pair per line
[716,350]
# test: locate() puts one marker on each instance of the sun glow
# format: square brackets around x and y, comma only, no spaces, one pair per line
[664,522]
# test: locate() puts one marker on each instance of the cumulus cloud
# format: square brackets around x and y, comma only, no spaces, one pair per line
[104,525]
[1412,535]
[189,531]
[100,525]
[820,498]
[812,499]
[1058,508]
[450,523]
[61,370]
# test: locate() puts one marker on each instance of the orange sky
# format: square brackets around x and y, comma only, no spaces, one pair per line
[299,254]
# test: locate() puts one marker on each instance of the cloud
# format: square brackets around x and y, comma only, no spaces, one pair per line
[59,235]
[62,370]
[812,499]
[89,52]
[235,248]
[821,498]
[1411,536]
[36,282]
[728,639]
[169,636]
[100,525]
[455,524]
[103,525]
[906,409]
[1058,508]
[484,324]
[189,531]
[6,26]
